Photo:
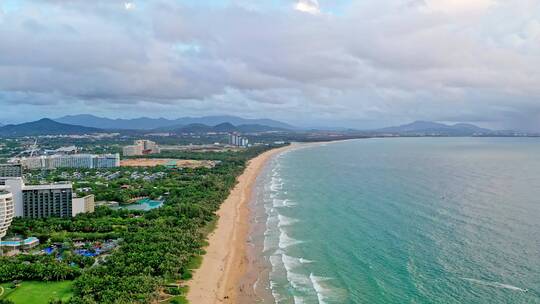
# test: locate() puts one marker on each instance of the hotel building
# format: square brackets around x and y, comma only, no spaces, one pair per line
[7,211]
[237,140]
[90,161]
[11,170]
[83,205]
[38,201]
[47,200]
[141,147]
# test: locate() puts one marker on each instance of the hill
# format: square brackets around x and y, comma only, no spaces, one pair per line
[225,128]
[45,126]
[435,128]
[145,123]
[195,128]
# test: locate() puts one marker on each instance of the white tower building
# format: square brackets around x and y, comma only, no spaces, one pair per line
[6,213]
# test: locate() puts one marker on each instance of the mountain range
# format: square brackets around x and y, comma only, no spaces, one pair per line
[54,127]
[435,128]
[45,126]
[48,126]
[226,127]
[145,123]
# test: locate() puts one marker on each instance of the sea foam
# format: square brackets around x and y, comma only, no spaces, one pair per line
[286,241]
[286,221]
[298,281]
[322,292]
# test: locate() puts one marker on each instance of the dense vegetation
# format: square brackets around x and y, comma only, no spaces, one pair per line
[157,246]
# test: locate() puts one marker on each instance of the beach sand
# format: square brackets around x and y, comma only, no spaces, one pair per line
[224,265]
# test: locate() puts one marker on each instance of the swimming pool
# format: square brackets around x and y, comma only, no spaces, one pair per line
[144,204]
[27,242]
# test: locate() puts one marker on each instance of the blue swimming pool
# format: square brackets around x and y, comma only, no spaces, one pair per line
[29,241]
[144,204]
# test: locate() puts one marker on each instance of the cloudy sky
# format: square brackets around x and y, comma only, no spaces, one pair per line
[363,63]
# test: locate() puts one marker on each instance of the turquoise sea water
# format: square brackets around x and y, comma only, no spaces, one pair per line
[418,220]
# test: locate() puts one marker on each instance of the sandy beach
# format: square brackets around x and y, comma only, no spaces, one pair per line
[226,259]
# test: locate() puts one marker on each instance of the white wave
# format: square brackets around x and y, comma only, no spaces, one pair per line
[286,221]
[275,261]
[495,284]
[286,241]
[297,280]
[267,245]
[289,203]
[278,298]
[277,202]
[290,262]
[305,261]
[298,300]
[276,184]
[322,292]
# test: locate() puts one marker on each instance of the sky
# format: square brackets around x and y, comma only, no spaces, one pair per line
[317,63]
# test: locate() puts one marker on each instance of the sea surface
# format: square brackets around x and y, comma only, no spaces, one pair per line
[403,220]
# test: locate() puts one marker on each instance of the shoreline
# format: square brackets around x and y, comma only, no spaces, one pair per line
[226,260]
[254,285]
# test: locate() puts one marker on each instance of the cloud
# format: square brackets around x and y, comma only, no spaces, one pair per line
[129,6]
[308,6]
[371,64]
[459,6]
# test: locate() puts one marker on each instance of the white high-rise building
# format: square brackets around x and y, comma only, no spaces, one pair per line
[38,201]
[237,140]
[91,161]
[7,211]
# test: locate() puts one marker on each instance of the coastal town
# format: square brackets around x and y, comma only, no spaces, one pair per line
[71,212]
[270,152]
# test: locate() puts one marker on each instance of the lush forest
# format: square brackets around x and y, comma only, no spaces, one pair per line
[156,247]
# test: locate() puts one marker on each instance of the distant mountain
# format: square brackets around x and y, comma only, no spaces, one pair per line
[195,128]
[237,121]
[142,123]
[145,123]
[255,128]
[45,126]
[434,128]
[225,128]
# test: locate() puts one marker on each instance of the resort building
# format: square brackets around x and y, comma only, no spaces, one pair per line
[63,150]
[237,140]
[7,211]
[141,147]
[83,205]
[47,200]
[90,161]
[37,201]
[134,150]
[11,170]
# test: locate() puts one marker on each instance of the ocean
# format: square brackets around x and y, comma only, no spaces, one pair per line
[403,220]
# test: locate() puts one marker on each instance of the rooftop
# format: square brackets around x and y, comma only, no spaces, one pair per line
[49,186]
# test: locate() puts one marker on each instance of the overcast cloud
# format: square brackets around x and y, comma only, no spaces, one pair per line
[362,64]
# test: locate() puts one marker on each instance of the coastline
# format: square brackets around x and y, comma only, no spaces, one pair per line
[226,260]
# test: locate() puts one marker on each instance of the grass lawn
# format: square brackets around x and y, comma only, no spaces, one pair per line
[30,292]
